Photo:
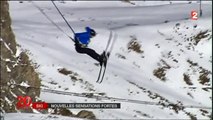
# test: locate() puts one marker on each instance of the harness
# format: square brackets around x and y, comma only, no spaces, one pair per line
[83,38]
[79,43]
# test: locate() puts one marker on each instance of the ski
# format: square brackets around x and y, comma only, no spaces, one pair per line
[101,66]
[107,54]
[99,74]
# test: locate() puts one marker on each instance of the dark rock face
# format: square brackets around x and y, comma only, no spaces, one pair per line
[86,114]
[14,69]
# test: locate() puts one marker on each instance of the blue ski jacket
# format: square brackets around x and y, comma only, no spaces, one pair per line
[83,37]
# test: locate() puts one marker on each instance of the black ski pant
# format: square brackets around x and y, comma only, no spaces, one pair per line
[88,51]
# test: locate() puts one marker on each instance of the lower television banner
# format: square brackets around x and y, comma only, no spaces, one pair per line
[85,105]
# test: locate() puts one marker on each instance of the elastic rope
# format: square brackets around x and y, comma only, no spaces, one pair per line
[63,16]
[42,11]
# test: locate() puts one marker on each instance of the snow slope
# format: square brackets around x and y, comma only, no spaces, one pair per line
[30,116]
[164,32]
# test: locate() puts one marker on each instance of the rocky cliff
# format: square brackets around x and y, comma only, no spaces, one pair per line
[16,67]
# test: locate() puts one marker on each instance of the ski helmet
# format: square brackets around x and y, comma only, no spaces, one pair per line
[91,31]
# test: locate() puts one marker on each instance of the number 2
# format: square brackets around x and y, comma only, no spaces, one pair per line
[194,15]
[23,102]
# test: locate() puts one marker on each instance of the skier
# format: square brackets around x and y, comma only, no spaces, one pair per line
[81,42]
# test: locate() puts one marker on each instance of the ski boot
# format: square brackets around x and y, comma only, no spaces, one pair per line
[103,59]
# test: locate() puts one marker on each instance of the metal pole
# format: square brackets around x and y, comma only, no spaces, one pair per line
[200,9]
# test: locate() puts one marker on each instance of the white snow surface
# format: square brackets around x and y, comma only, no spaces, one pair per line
[31,116]
[129,78]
